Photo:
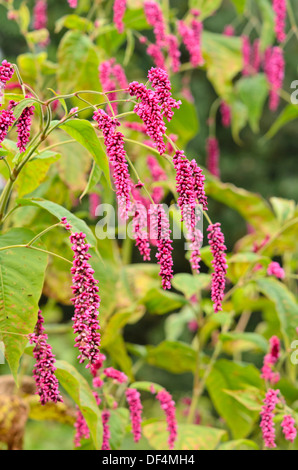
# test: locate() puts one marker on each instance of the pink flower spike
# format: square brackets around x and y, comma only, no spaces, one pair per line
[86,302]
[47,386]
[280,10]
[135,407]
[119,9]
[267,415]
[156,53]
[82,430]
[174,52]
[115,374]
[159,80]
[6,72]
[105,416]
[275,71]
[140,231]
[219,263]
[199,181]
[155,18]
[160,228]
[23,126]
[213,155]
[73,3]
[229,30]
[289,428]
[168,405]
[275,269]
[6,121]
[226,114]
[40,15]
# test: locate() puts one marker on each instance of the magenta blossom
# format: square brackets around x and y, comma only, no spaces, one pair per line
[40,15]
[140,231]
[280,10]
[82,430]
[112,373]
[6,72]
[275,71]
[213,155]
[105,416]
[174,52]
[159,80]
[267,415]
[23,126]
[155,18]
[217,243]
[289,428]
[119,9]
[270,360]
[225,114]
[135,407]
[47,386]
[168,405]
[6,121]
[73,3]
[275,269]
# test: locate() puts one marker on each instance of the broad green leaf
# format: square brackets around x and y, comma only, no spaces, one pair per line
[73,22]
[29,65]
[239,118]
[159,302]
[17,111]
[283,208]
[189,284]
[175,323]
[206,7]
[35,172]
[83,132]
[78,64]
[117,424]
[24,17]
[190,437]
[253,92]
[21,280]
[39,36]
[288,114]
[285,304]
[251,398]
[118,322]
[78,389]
[239,5]
[59,212]
[173,356]
[236,342]
[223,61]
[227,375]
[251,206]
[240,444]
[118,353]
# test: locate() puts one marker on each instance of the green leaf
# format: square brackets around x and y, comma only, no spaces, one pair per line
[59,212]
[73,22]
[285,304]
[239,5]
[206,7]
[94,178]
[251,398]
[173,356]
[159,302]
[251,206]
[190,436]
[35,172]
[227,375]
[189,284]
[147,386]
[223,61]
[288,114]
[268,30]
[17,111]
[253,92]
[83,132]
[78,64]
[235,342]
[117,424]
[283,208]
[78,389]
[239,119]
[240,444]
[21,281]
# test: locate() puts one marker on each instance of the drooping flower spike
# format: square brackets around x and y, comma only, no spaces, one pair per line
[213,156]
[6,121]
[267,415]
[6,72]
[47,386]
[280,10]
[275,269]
[168,405]
[115,374]
[219,263]
[105,416]
[140,231]
[155,18]
[159,80]
[289,428]
[135,407]
[40,18]
[23,125]
[275,71]
[119,9]
[270,360]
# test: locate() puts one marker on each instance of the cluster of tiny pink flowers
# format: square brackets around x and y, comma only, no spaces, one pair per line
[47,386]
[86,301]
[115,374]
[251,56]
[191,37]
[94,201]
[225,114]
[82,430]
[119,9]
[159,80]
[168,405]
[199,189]
[174,52]
[6,72]
[40,19]
[114,142]
[6,121]
[135,407]
[275,71]
[289,428]
[155,18]
[139,231]
[275,269]
[219,263]
[160,228]
[185,188]
[150,112]
[73,3]
[105,416]
[270,360]
[267,415]
[229,30]
[23,125]
[280,10]
[155,52]
[213,155]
